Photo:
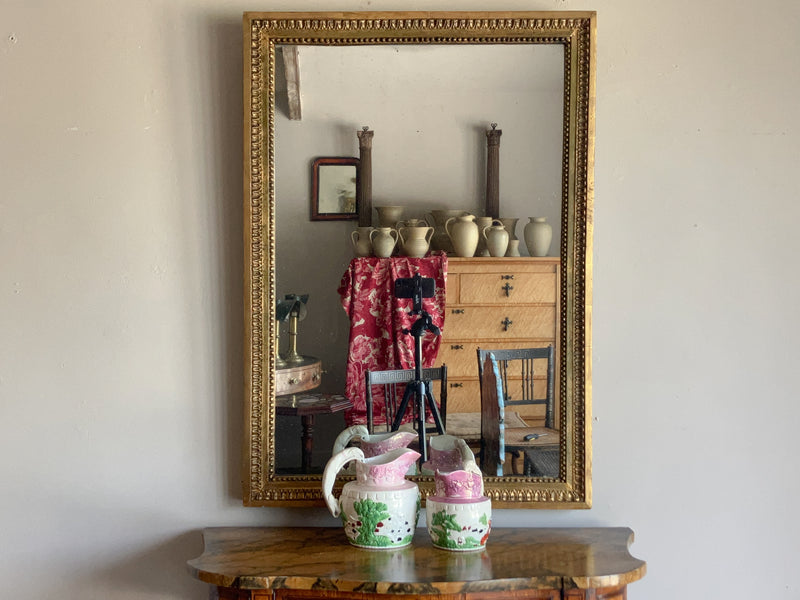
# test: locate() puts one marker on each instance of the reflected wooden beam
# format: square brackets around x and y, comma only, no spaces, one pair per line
[291,64]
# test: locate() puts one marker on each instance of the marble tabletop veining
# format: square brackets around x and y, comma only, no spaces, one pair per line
[514,558]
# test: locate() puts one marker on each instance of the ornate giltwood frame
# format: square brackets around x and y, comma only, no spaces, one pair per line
[575,31]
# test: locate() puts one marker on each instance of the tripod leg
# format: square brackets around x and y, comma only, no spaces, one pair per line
[401,410]
[419,397]
[437,417]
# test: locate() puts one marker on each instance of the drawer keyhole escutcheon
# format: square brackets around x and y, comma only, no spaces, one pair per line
[456,385]
[507,287]
[506,323]
[456,346]
[457,311]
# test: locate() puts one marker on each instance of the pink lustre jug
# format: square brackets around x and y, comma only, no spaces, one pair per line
[379,509]
[459,516]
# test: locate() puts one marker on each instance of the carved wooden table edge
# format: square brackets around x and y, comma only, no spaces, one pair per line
[320,558]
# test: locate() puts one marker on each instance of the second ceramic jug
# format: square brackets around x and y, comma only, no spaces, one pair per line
[464,234]
[415,241]
[383,241]
[362,245]
[496,239]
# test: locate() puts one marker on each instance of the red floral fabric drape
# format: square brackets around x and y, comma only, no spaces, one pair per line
[377,320]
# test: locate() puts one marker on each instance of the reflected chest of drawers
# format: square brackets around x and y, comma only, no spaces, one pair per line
[497,303]
[251,563]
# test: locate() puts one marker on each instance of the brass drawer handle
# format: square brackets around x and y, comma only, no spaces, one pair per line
[456,346]
[456,385]
[457,311]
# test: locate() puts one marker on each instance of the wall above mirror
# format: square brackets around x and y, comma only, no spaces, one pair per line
[270,202]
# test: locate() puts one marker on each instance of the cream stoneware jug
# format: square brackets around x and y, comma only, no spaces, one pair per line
[362,245]
[463,234]
[437,219]
[415,241]
[496,239]
[383,241]
[379,509]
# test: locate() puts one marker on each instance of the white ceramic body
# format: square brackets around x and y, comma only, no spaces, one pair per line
[538,235]
[459,526]
[383,241]
[415,241]
[496,239]
[463,234]
[361,241]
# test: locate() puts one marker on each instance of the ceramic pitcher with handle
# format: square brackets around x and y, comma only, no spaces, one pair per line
[458,515]
[379,509]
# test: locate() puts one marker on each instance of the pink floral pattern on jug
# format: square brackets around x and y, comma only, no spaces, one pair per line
[458,485]
[386,470]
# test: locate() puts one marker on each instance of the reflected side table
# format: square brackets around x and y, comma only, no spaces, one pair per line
[305,406]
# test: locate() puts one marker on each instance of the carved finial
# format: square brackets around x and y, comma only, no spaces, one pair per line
[365,128]
[494,125]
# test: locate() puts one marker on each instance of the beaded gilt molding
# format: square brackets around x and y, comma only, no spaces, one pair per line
[575,31]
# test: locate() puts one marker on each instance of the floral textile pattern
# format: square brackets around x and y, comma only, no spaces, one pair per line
[377,321]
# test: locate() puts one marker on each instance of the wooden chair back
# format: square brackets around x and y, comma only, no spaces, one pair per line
[524,373]
[391,386]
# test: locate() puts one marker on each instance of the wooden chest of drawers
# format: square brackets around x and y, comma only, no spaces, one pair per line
[497,303]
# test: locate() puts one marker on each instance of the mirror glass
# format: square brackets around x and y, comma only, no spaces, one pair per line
[429,106]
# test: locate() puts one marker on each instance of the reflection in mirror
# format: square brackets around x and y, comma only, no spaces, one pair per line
[429,152]
[430,86]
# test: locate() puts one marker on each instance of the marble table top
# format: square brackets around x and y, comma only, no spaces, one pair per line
[304,558]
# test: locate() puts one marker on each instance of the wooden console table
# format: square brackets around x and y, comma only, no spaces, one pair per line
[284,563]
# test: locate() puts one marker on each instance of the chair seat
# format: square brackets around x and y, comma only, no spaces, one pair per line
[467,426]
[515,437]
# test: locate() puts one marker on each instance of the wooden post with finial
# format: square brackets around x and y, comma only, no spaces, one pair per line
[493,172]
[365,177]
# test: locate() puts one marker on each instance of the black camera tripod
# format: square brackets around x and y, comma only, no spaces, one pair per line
[418,388]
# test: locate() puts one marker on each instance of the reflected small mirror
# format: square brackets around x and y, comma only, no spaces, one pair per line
[334,187]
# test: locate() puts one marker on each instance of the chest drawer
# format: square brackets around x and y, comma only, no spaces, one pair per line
[499,323]
[507,288]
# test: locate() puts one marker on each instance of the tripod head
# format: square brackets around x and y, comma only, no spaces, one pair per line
[418,288]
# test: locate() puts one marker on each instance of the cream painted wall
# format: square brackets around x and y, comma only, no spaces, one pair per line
[120,294]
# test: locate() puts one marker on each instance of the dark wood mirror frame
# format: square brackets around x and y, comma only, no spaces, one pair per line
[575,31]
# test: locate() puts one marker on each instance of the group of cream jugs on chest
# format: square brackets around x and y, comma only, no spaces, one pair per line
[411,237]
[454,231]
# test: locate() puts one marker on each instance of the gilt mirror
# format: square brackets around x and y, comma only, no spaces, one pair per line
[429,85]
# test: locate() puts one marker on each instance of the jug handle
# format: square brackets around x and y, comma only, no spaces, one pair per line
[354,237]
[333,467]
[483,233]
[393,231]
[447,225]
[428,221]
[400,235]
[429,235]
[346,435]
